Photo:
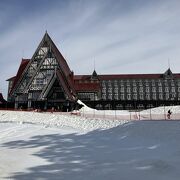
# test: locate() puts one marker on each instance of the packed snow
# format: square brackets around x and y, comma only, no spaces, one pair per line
[87,110]
[58,120]
[63,146]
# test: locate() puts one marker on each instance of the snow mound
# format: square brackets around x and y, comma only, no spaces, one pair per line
[85,107]
[162,110]
[58,120]
[87,110]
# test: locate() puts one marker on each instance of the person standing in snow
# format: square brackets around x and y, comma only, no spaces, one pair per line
[169,114]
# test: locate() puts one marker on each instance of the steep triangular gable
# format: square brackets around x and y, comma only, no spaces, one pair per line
[56,92]
[168,74]
[57,77]
[56,87]
[41,67]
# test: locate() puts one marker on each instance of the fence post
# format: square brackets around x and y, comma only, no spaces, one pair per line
[94,114]
[164,113]
[115,114]
[139,115]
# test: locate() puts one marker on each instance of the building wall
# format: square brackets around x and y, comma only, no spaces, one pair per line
[145,92]
[141,89]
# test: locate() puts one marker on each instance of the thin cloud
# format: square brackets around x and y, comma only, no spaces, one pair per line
[123,36]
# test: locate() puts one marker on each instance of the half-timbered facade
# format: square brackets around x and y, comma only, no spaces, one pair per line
[46,80]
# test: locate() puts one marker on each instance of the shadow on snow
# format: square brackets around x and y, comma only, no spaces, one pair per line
[135,149]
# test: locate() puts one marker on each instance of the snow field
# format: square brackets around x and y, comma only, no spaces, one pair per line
[135,150]
[63,146]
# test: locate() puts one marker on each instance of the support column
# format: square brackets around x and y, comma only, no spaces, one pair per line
[45,105]
[16,103]
[29,104]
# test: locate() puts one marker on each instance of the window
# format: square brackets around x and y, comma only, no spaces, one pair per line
[154,96]
[140,106]
[172,83]
[161,96]
[147,83]
[135,89]
[104,96]
[140,89]
[135,96]
[147,89]
[30,96]
[110,90]
[122,96]
[128,83]
[103,83]
[160,89]
[109,83]
[166,89]
[173,89]
[134,83]
[122,89]
[167,96]
[128,89]
[153,83]
[116,96]
[104,90]
[159,83]
[110,96]
[39,81]
[115,83]
[88,96]
[153,89]
[140,83]
[119,106]
[141,96]
[165,83]
[148,96]
[116,90]
[128,96]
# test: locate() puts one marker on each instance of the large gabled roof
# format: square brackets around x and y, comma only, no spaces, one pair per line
[65,70]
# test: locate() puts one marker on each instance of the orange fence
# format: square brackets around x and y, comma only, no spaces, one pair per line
[114,115]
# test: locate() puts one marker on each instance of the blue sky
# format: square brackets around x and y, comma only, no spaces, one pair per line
[121,36]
